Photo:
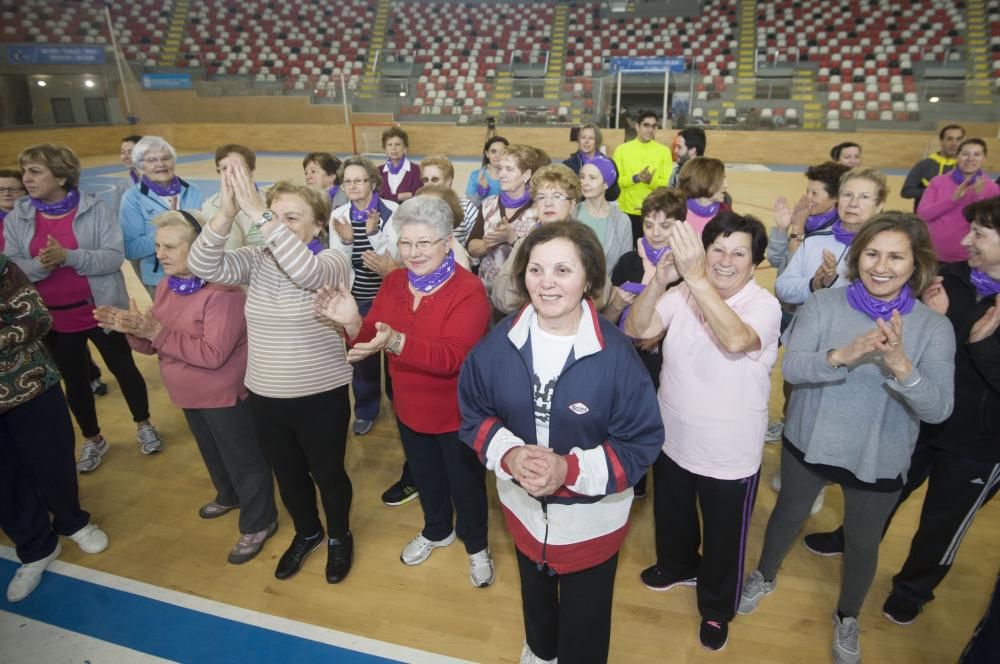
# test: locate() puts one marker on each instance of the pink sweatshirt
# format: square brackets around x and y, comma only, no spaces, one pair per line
[944,215]
[202,346]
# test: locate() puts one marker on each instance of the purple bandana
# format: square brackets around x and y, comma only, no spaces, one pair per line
[860,299]
[514,203]
[709,210]
[394,170]
[984,283]
[843,235]
[132,174]
[171,189]
[3,214]
[361,216]
[185,285]
[315,246]
[635,289]
[331,193]
[816,222]
[425,283]
[58,208]
[653,255]
[958,177]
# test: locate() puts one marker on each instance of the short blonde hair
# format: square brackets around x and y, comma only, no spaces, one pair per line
[176,219]
[440,161]
[314,200]
[556,175]
[701,177]
[873,175]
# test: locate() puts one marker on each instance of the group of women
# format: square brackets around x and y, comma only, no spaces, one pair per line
[655,355]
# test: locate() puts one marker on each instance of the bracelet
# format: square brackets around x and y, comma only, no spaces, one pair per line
[905,385]
[394,343]
[797,236]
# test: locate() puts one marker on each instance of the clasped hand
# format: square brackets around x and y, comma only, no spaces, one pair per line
[886,339]
[339,306]
[52,255]
[128,321]
[538,470]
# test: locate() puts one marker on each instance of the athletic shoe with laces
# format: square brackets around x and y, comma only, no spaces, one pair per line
[250,544]
[900,610]
[98,387]
[774,431]
[28,576]
[754,590]
[149,439]
[528,657]
[399,493]
[91,454]
[825,544]
[846,640]
[362,427]
[713,634]
[90,539]
[419,549]
[654,579]
[481,572]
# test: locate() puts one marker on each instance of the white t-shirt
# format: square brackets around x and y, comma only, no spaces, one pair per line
[548,357]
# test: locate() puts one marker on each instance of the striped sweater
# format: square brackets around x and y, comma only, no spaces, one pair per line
[292,351]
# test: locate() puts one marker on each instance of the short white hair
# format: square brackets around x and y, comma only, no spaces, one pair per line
[427,210]
[147,143]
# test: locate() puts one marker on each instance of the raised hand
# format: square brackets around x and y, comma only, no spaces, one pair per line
[338,305]
[687,252]
[782,213]
[891,346]
[826,273]
[986,326]
[244,189]
[800,212]
[342,227]
[381,264]
[936,297]
[372,222]
[227,198]
[130,321]
[53,255]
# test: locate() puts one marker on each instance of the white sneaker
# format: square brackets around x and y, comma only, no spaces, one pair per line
[818,503]
[776,481]
[846,640]
[481,572]
[528,657]
[755,588]
[91,539]
[419,549]
[774,431]
[149,439]
[91,454]
[27,577]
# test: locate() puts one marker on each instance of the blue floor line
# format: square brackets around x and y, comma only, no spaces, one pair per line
[162,629]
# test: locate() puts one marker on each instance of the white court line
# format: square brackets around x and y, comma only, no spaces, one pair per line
[282,625]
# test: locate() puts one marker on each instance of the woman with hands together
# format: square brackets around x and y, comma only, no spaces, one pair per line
[427,317]
[721,341]
[868,363]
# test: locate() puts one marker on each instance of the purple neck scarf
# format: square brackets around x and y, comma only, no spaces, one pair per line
[959,178]
[843,235]
[815,222]
[185,285]
[171,189]
[860,299]
[709,210]
[331,193]
[361,216]
[425,283]
[59,208]
[510,203]
[3,214]
[653,255]
[394,169]
[315,246]
[132,174]
[984,283]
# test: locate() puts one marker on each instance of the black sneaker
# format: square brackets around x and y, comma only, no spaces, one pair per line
[714,634]
[291,561]
[399,493]
[899,610]
[825,544]
[98,387]
[339,556]
[654,579]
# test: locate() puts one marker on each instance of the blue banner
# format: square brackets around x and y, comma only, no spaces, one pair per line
[651,64]
[166,81]
[55,54]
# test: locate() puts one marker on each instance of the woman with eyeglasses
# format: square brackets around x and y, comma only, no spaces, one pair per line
[158,190]
[11,189]
[427,317]
[437,170]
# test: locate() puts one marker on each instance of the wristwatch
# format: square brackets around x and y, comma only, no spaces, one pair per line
[797,236]
[265,217]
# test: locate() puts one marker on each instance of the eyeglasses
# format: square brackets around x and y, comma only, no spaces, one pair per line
[551,198]
[11,190]
[423,246]
[356,183]
[157,160]
[434,180]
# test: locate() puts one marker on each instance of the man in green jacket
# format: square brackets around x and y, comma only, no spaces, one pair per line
[643,165]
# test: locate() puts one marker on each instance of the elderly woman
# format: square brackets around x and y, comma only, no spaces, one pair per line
[721,342]
[448,195]
[36,448]
[703,181]
[942,203]
[847,154]
[400,176]
[821,260]
[868,364]
[198,331]
[159,189]
[816,210]
[320,170]
[556,403]
[297,370]
[244,234]
[589,142]
[70,245]
[506,217]
[11,189]
[612,225]
[437,170]
[360,230]
[485,181]
[953,455]
[427,318]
